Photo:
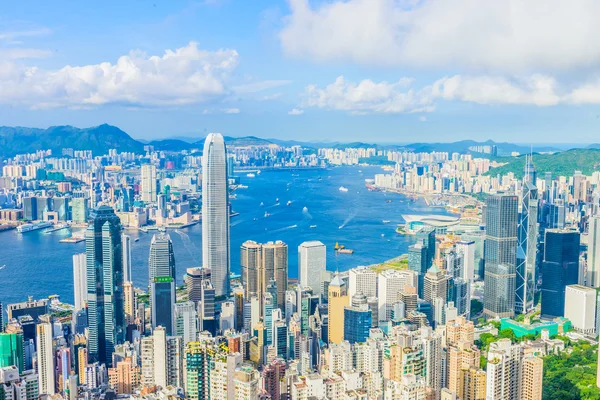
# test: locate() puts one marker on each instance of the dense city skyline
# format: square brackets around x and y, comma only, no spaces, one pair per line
[300,200]
[482,302]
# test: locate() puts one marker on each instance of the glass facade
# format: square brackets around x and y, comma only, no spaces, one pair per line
[560,268]
[500,255]
[357,323]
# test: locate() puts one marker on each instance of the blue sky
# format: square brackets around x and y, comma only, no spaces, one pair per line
[370,70]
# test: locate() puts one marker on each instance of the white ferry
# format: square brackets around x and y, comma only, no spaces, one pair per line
[33,227]
[343,189]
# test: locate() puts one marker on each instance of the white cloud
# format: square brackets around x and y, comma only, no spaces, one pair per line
[368,97]
[187,75]
[502,35]
[296,111]
[423,118]
[537,90]
[231,111]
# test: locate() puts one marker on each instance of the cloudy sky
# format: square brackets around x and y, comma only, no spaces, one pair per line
[371,70]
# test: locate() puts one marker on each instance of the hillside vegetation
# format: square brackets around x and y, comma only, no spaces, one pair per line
[560,164]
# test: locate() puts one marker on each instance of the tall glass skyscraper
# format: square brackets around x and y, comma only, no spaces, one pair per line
[104,265]
[527,242]
[560,268]
[215,212]
[161,274]
[500,255]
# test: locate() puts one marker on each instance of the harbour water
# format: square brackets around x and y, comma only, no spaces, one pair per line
[39,266]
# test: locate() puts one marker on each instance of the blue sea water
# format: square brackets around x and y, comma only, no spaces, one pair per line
[38,265]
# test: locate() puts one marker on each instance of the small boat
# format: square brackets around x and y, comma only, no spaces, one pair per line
[256,219]
[250,175]
[313,226]
[2,267]
[343,189]
[383,234]
[137,240]
[267,214]
[262,204]
[386,221]
[288,203]
[388,201]
[277,200]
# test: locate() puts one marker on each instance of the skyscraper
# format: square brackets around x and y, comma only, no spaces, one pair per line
[338,299]
[503,370]
[104,259]
[592,278]
[261,264]
[357,321]
[527,243]
[275,257]
[79,280]
[161,268]
[500,255]
[532,375]
[418,262]
[215,213]
[126,240]
[560,268]
[148,183]
[311,264]
[45,354]
[11,350]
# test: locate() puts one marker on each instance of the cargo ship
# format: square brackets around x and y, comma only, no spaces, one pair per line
[341,249]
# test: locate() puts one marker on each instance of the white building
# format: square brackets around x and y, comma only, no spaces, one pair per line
[79,280]
[148,173]
[503,370]
[186,321]
[389,284]
[593,258]
[466,250]
[311,264]
[45,358]
[215,213]
[363,280]
[580,308]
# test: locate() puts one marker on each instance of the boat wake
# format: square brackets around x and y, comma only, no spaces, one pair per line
[347,220]
[306,214]
[189,245]
[286,228]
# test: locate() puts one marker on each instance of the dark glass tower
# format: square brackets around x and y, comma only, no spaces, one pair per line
[161,271]
[104,262]
[500,255]
[560,268]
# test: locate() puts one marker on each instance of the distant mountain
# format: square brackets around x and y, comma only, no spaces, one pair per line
[560,164]
[99,139]
[174,145]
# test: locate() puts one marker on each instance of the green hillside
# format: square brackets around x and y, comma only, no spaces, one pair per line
[99,139]
[560,164]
